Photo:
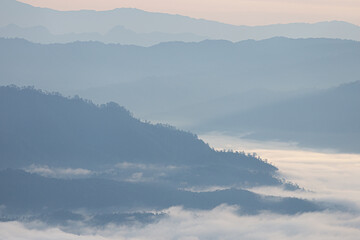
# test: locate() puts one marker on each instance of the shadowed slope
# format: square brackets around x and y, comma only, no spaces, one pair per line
[325,119]
[47,129]
[177,79]
[24,192]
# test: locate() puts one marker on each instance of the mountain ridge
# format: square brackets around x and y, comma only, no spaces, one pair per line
[85,21]
[214,69]
[326,119]
[39,129]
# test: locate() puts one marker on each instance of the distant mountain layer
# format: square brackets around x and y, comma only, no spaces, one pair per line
[67,22]
[117,34]
[24,192]
[176,80]
[129,167]
[40,130]
[326,119]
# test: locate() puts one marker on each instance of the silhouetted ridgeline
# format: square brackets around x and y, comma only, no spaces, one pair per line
[47,129]
[90,25]
[181,81]
[324,119]
[21,191]
[127,166]
[117,34]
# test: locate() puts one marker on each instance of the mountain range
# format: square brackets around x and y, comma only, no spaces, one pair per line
[128,168]
[185,82]
[86,164]
[147,28]
[39,129]
[325,119]
[117,34]
[93,201]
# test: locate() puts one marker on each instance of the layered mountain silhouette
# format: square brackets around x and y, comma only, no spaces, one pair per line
[158,25]
[50,130]
[117,34]
[68,161]
[130,166]
[325,119]
[29,197]
[177,79]
[25,191]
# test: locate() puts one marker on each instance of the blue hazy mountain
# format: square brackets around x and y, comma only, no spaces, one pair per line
[325,119]
[182,83]
[85,21]
[27,196]
[49,131]
[32,192]
[39,129]
[176,80]
[117,34]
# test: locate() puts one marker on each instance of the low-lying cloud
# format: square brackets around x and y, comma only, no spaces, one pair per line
[325,175]
[222,222]
[329,177]
[46,171]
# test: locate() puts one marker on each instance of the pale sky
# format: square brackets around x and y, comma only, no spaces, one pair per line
[238,12]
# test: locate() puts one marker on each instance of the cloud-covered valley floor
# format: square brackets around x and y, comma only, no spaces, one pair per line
[325,176]
[219,223]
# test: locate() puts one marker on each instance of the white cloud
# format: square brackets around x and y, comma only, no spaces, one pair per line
[200,189]
[330,176]
[140,172]
[136,177]
[58,172]
[222,222]
[129,165]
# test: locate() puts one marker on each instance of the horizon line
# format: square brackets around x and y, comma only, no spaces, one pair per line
[186,16]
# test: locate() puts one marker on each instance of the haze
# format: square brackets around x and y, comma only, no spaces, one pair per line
[238,12]
[134,119]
